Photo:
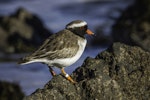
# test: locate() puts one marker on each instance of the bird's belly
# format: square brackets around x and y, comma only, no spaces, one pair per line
[66,61]
[69,61]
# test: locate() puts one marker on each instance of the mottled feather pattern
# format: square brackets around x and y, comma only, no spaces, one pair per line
[62,49]
[65,47]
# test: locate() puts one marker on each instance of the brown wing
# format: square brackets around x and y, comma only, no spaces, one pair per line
[60,45]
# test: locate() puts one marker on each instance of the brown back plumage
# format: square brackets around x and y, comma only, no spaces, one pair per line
[64,43]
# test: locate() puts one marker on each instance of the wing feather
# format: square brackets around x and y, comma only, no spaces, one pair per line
[59,45]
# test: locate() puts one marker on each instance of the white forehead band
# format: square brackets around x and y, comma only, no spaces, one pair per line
[77,25]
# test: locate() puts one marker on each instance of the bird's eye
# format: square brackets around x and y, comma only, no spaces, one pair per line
[83,28]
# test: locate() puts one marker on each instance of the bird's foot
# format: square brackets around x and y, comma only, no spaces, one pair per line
[67,76]
[70,79]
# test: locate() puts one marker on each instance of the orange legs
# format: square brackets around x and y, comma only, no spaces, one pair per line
[64,73]
[67,76]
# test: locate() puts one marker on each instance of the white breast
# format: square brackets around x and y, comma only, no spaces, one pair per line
[69,61]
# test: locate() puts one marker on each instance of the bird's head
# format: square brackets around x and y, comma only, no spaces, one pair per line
[79,27]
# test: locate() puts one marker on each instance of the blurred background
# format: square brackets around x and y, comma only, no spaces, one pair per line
[25,24]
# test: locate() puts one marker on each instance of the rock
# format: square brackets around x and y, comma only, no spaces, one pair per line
[119,73]
[10,91]
[132,27]
[21,32]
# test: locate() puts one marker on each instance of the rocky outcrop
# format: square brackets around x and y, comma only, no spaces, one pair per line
[21,32]
[10,91]
[133,26]
[119,73]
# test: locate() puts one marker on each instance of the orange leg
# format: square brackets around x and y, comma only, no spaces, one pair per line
[52,71]
[67,76]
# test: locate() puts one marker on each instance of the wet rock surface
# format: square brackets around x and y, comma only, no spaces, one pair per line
[21,32]
[120,72]
[133,26]
[10,91]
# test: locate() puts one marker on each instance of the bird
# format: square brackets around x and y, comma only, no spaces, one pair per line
[61,49]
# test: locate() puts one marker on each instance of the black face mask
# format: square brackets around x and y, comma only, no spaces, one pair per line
[81,31]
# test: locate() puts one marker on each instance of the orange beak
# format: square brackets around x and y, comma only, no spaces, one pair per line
[89,32]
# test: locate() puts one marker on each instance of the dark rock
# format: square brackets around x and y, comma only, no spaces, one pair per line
[119,73]
[21,32]
[132,27]
[10,91]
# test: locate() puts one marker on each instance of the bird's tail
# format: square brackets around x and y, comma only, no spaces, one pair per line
[24,61]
